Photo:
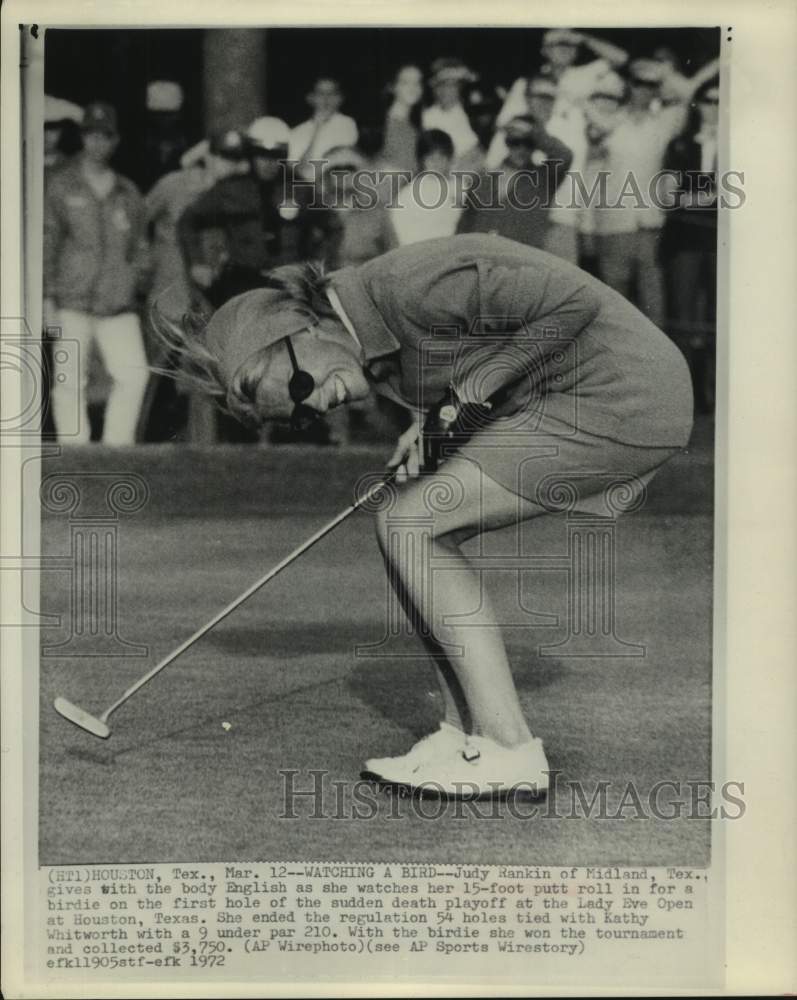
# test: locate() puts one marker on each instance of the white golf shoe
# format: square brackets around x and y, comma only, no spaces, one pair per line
[484,769]
[435,747]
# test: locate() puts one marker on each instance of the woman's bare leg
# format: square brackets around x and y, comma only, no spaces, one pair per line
[482,669]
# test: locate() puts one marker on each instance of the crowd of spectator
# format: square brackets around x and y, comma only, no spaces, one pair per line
[525,162]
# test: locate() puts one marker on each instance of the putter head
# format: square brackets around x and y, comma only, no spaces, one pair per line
[80,718]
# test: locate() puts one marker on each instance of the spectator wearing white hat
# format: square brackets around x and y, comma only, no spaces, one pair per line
[283,207]
[95,265]
[326,129]
[448,79]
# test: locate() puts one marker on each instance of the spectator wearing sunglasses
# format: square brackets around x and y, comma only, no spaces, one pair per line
[516,202]
[568,126]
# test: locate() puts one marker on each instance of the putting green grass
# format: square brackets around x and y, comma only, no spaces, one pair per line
[192,768]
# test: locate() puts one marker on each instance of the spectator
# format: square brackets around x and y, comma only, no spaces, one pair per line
[378,174]
[690,242]
[606,221]
[223,239]
[95,263]
[326,129]
[402,119]
[636,148]
[560,94]
[165,140]
[561,50]
[357,231]
[675,87]
[58,116]
[283,213]
[568,125]
[429,206]
[517,207]
[165,203]
[448,80]
[163,409]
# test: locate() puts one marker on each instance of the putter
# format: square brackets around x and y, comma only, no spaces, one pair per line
[98,725]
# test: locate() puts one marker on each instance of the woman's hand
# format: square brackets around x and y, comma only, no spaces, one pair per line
[406,459]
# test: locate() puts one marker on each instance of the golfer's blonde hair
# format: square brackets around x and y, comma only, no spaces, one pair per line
[194,365]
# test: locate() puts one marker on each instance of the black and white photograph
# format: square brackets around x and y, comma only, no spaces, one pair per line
[433,259]
[372,447]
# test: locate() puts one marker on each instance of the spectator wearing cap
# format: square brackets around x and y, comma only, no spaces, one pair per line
[59,115]
[568,126]
[690,241]
[402,120]
[356,230]
[448,80]
[562,51]
[517,206]
[283,206]
[631,252]
[95,266]
[574,63]
[222,235]
[324,130]
[430,205]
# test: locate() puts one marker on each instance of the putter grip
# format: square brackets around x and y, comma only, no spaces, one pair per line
[449,424]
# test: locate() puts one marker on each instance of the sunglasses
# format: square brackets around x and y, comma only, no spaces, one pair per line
[300,388]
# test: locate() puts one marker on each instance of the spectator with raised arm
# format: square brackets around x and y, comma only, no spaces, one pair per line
[575,80]
[517,205]
[324,130]
[631,260]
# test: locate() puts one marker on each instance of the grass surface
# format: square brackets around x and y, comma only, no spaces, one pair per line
[173,783]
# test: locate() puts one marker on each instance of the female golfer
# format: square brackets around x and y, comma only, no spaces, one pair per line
[527,373]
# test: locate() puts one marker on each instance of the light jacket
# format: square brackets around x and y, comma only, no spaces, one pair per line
[95,250]
[518,326]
